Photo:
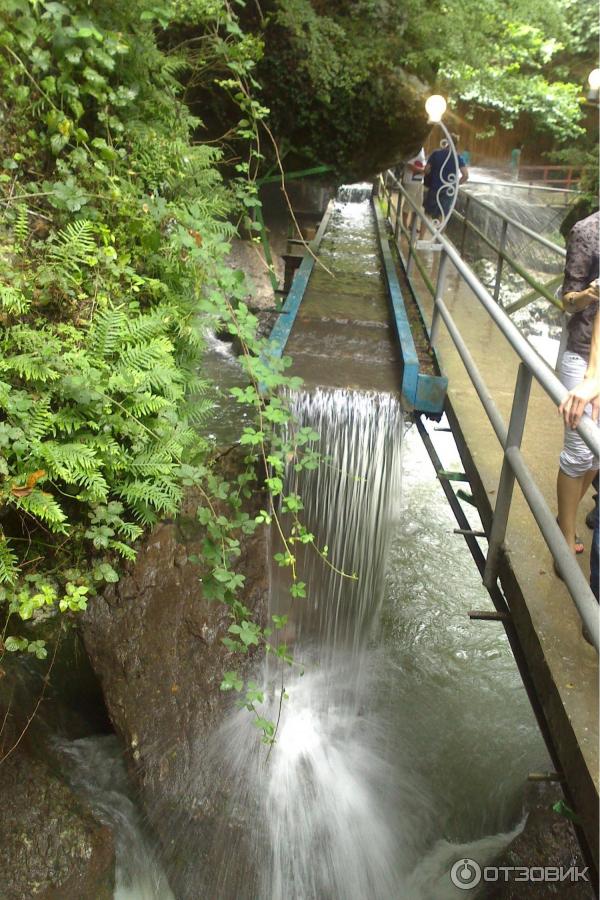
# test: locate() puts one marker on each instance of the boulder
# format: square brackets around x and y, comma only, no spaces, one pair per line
[52,848]
[156,646]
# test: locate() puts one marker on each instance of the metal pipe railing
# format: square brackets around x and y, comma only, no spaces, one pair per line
[514,466]
[539,238]
[525,186]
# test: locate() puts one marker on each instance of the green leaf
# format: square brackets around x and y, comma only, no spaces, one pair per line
[231,682]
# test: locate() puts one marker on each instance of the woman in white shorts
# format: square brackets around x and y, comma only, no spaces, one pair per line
[578,465]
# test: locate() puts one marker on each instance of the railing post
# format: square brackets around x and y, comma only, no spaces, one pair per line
[499,267]
[411,246]
[397,222]
[507,477]
[465,225]
[439,295]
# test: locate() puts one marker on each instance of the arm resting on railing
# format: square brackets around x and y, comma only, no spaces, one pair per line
[588,390]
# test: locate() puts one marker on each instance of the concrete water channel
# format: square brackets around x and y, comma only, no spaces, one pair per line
[339,327]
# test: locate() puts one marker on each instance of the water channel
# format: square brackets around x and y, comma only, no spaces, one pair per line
[407,737]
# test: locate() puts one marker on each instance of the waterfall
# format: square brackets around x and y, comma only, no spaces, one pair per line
[95,769]
[349,500]
[314,819]
[354,193]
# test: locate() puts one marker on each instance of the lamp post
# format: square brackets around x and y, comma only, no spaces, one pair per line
[594,83]
[435,108]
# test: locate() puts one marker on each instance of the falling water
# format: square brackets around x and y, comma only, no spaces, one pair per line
[406,736]
[95,769]
[349,501]
[321,805]
[343,807]
[354,193]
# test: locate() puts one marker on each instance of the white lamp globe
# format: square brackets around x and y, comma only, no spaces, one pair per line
[435,107]
[594,80]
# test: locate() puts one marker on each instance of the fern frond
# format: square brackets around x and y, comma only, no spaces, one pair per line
[29,367]
[164,496]
[21,228]
[75,464]
[148,404]
[67,420]
[123,550]
[13,301]
[40,421]
[151,353]
[43,506]
[8,562]
[74,247]
[145,327]
[107,332]
[199,410]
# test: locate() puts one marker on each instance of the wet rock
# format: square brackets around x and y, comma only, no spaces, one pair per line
[548,840]
[156,645]
[51,847]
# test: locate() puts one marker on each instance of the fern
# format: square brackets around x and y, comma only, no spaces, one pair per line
[145,356]
[144,328]
[43,506]
[75,247]
[40,421]
[199,411]
[13,301]
[148,404]
[21,229]
[29,367]
[67,420]
[8,563]
[107,332]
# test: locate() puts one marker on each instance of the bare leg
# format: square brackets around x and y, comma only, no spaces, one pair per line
[569,492]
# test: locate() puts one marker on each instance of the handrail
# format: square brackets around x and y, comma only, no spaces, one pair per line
[526,186]
[514,465]
[540,289]
[519,225]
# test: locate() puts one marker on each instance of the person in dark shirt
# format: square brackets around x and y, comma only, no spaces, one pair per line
[439,172]
[578,466]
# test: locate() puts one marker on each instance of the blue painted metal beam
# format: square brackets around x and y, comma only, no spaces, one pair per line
[424,393]
[285,321]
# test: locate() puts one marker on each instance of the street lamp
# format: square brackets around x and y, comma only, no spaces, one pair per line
[447,192]
[594,83]
[435,107]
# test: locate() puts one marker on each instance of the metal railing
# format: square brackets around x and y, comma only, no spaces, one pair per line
[554,175]
[554,253]
[531,366]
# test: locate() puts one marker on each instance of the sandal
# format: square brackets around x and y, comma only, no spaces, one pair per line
[579,545]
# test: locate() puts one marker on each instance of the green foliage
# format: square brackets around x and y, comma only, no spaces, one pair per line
[114,226]
[114,237]
[339,77]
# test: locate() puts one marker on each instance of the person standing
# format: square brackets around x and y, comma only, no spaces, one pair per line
[578,465]
[412,182]
[577,402]
[442,180]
